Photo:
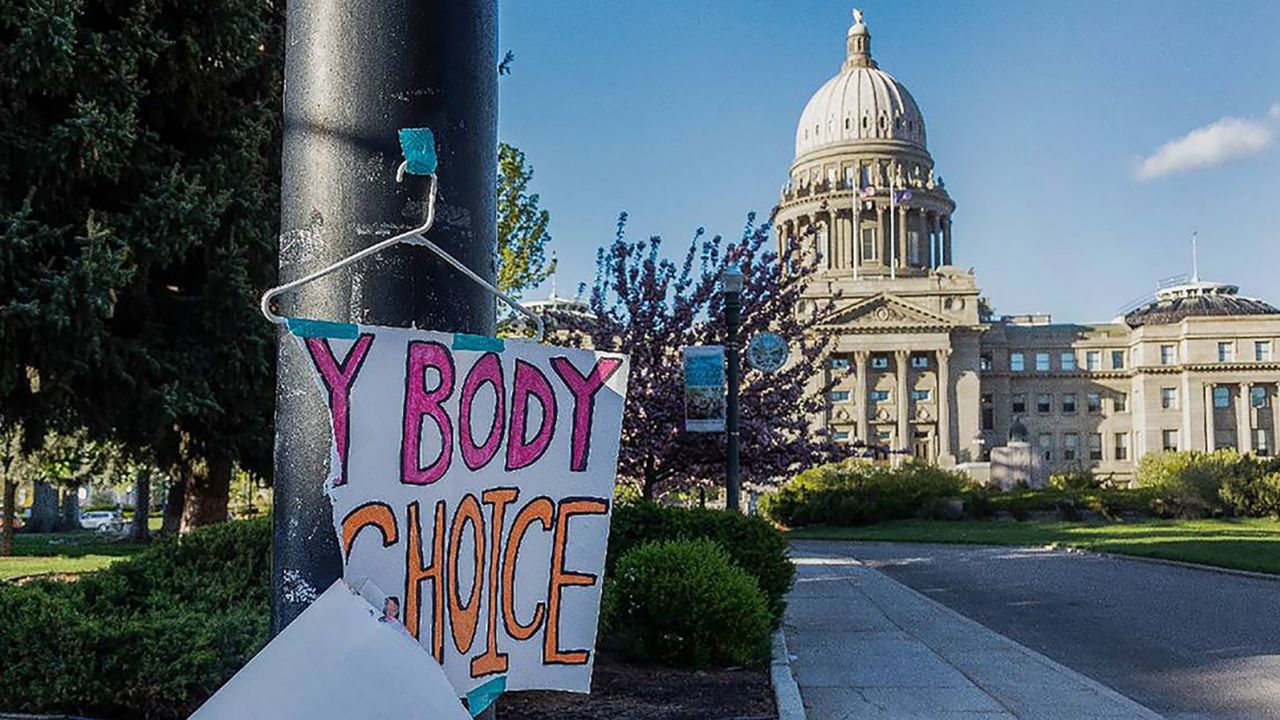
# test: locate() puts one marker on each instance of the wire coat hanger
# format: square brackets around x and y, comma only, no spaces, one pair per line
[418,146]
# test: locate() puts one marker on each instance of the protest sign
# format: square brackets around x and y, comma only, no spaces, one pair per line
[471,480]
[704,399]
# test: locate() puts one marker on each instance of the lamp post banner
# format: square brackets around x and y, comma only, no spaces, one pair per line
[471,479]
[704,388]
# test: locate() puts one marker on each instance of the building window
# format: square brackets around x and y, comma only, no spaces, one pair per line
[839,363]
[1122,446]
[1069,403]
[1046,445]
[1019,403]
[883,436]
[839,396]
[1168,398]
[1016,362]
[1093,402]
[1226,352]
[1261,442]
[987,398]
[1221,396]
[840,436]
[1117,359]
[988,418]
[1070,443]
[869,245]
[879,362]
[1168,355]
[1044,403]
[1224,438]
[1067,361]
[1120,402]
[1169,440]
[1095,446]
[920,395]
[920,361]
[879,396]
[1258,396]
[984,361]
[1042,362]
[913,247]
[1262,350]
[1093,360]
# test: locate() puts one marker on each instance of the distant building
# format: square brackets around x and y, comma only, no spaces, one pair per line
[918,361]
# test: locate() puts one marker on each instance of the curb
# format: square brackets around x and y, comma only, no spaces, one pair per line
[785,691]
[1175,563]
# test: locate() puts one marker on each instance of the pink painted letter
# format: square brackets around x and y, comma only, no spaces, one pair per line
[487,370]
[584,391]
[529,382]
[338,379]
[419,403]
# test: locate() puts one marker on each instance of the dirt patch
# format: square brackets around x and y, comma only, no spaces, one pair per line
[621,691]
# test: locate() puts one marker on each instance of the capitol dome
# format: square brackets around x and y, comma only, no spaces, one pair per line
[1196,299]
[861,103]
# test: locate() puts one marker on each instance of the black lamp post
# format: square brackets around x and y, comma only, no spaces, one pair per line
[731,286]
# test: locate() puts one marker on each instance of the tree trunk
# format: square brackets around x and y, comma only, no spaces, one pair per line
[208,492]
[70,519]
[138,532]
[44,508]
[10,517]
[173,504]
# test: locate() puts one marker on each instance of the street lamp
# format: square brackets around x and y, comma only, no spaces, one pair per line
[731,285]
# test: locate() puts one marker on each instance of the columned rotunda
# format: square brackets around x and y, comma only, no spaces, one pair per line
[919,364]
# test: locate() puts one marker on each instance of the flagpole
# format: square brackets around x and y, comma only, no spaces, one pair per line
[1195,258]
[893,233]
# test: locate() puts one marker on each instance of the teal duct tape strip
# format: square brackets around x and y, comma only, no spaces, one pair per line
[481,698]
[323,328]
[419,148]
[481,343]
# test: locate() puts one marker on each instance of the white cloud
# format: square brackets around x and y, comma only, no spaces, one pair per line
[1212,144]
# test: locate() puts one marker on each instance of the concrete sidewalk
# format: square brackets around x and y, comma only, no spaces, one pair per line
[865,646]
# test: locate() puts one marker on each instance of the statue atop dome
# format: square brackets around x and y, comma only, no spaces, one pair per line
[857,17]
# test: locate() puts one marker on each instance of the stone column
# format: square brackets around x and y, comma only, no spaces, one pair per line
[1208,417]
[944,406]
[881,234]
[860,367]
[946,240]
[1244,438]
[1275,419]
[902,236]
[900,364]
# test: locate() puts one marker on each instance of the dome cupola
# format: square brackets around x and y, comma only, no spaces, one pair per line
[861,103]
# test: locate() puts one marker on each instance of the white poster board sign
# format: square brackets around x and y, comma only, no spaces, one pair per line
[472,481]
[339,659]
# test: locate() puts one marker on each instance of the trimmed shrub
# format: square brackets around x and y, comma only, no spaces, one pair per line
[855,492]
[1186,484]
[1074,480]
[751,542]
[685,603]
[1256,495]
[151,636]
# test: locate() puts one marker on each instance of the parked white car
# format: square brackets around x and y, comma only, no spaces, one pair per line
[101,520]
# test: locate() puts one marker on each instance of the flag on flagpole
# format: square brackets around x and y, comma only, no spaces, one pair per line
[903,196]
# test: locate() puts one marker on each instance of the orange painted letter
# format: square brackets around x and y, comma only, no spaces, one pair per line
[561,578]
[463,617]
[493,661]
[537,509]
[415,573]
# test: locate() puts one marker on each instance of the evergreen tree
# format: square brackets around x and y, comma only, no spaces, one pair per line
[650,308]
[139,165]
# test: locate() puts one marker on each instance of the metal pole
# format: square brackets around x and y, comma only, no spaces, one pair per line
[356,71]
[732,314]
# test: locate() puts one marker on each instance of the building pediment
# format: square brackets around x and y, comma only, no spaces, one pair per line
[885,312]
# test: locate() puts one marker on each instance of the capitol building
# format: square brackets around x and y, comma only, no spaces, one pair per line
[918,361]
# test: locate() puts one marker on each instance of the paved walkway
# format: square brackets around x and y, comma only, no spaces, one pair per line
[865,646]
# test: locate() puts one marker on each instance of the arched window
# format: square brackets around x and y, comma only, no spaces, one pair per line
[864,122]
[846,123]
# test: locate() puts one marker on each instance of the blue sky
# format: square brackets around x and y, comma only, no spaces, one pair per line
[1040,117]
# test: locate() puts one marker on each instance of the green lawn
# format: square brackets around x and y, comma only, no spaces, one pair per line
[66,552]
[1252,544]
